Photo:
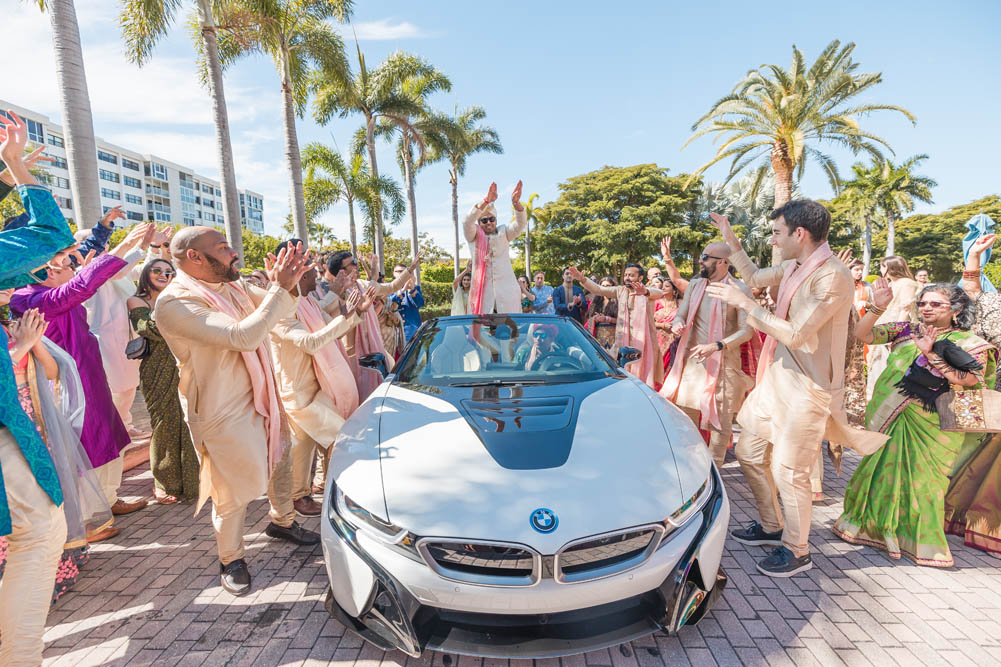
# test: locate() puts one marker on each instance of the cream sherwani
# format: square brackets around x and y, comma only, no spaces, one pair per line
[732,384]
[313,417]
[799,401]
[500,289]
[218,402]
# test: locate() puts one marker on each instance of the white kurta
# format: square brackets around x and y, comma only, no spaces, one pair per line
[108,316]
[500,291]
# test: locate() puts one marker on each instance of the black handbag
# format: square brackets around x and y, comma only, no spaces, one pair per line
[137,347]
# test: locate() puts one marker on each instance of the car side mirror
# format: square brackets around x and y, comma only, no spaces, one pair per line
[375,361]
[627,355]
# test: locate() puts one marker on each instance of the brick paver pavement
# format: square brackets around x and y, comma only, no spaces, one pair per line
[151,596]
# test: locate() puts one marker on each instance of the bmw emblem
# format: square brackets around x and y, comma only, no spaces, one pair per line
[544,520]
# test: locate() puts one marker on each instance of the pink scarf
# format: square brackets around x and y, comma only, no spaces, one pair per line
[329,362]
[633,330]
[707,405]
[258,362]
[368,340]
[479,273]
[793,277]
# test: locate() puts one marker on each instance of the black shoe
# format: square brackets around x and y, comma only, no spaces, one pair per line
[782,563]
[235,577]
[755,536]
[294,533]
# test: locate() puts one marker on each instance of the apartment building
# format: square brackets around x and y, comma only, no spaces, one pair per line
[146,186]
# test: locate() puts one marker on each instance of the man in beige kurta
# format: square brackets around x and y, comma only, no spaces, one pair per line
[314,416]
[217,393]
[799,397]
[688,379]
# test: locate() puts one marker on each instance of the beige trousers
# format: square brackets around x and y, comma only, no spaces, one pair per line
[123,403]
[304,450]
[718,440]
[784,470]
[228,518]
[110,477]
[34,548]
[817,473]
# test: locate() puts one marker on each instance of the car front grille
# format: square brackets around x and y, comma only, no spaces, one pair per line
[604,555]
[484,563]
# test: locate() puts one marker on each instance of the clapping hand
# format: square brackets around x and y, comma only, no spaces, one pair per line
[926,340]
[371,294]
[845,256]
[162,237]
[288,267]
[114,213]
[491,196]
[639,289]
[882,295]
[30,328]
[135,236]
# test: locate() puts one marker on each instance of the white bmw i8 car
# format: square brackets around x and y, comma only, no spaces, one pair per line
[510,491]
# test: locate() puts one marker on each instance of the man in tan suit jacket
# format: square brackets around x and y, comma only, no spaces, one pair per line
[798,400]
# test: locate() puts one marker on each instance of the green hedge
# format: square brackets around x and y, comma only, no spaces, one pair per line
[436,293]
[435,311]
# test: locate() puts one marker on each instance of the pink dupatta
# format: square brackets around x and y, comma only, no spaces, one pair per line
[368,340]
[794,276]
[714,362]
[258,361]
[633,330]
[333,371]
[479,273]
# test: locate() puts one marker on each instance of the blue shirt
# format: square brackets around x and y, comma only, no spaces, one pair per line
[410,303]
[542,304]
[21,250]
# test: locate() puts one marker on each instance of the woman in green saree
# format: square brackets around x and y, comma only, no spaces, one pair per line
[895,500]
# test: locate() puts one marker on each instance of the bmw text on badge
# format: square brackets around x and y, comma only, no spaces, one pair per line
[544,520]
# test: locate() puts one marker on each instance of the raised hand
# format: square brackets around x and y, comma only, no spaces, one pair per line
[575,273]
[162,237]
[882,295]
[638,288]
[288,267]
[722,223]
[845,256]
[516,198]
[982,243]
[731,294]
[926,340]
[132,239]
[352,300]
[13,139]
[415,263]
[371,294]
[84,261]
[491,195]
[116,213]
[665,247]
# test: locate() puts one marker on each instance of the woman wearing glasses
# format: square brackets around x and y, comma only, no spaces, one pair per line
[895,499]
[171,455]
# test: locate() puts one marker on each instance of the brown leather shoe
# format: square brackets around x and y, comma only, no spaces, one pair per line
[306,506]
[121,507]
[103,534]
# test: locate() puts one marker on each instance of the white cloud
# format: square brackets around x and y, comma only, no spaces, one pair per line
[384,29]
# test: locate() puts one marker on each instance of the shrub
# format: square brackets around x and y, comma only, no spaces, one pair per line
[429,312]
[437,293]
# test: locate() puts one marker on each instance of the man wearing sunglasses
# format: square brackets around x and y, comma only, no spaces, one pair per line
[494,288]
[706,379]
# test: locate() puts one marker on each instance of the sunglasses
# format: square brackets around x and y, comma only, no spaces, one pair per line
[934,304]
[704,257]
[166,273]
[488,219]
[541,335]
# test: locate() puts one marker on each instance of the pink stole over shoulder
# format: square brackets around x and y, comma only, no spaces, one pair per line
[333,371]
[258,361]
[479,273]
[794,276]
[368,340]
[714,362]
[633,330]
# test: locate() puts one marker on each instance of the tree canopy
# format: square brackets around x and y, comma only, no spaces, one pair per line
[606,218]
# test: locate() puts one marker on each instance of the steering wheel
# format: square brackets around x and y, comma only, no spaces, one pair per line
[555,361]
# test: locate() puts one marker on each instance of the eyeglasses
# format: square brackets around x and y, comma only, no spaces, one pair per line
[704,257]
[488,219]
[541,335]
[166,273]
[934,304]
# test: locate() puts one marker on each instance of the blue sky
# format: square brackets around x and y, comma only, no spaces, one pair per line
[570,87]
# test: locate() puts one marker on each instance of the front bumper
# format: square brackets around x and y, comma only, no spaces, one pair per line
[391,617]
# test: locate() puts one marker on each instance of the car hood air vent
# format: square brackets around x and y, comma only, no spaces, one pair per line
[527,433]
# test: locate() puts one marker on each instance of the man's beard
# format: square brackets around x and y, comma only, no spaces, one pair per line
[225,274]
[704,273]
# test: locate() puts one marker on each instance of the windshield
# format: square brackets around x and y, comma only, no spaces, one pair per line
[505,349]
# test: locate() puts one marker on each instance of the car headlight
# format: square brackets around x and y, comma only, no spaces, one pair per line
[689,508]
[374,525]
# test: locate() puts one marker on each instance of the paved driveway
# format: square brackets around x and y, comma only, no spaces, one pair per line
[152,596]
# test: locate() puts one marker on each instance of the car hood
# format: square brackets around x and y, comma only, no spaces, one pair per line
[619,469]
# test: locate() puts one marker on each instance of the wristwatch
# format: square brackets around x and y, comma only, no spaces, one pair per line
[719,345]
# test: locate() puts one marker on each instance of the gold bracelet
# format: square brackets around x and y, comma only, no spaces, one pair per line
[875,310]
[971,274]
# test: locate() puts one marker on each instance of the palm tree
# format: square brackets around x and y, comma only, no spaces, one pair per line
[901,189]
[78,121]
[300,42]
[144,22]
[862,194]
[372,94]
[778,116]
[532,214]
[330,179]
[463,137]
[381,197]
